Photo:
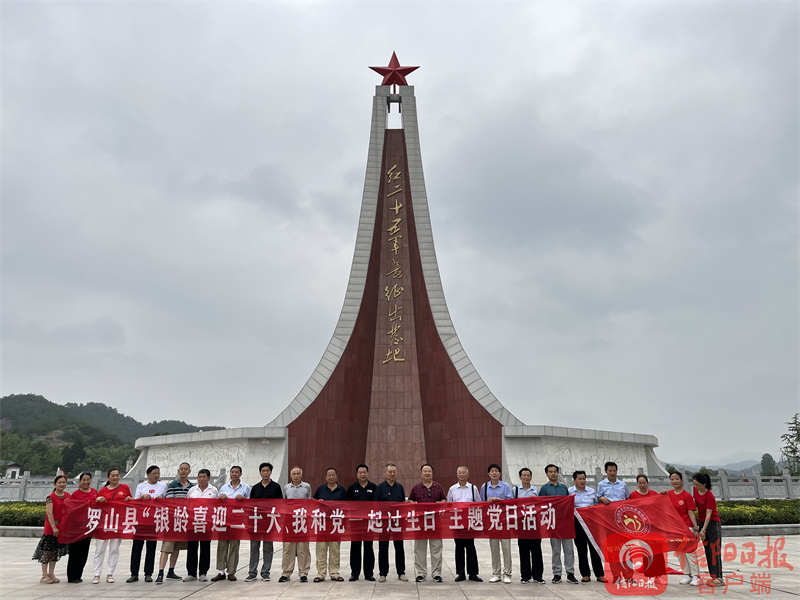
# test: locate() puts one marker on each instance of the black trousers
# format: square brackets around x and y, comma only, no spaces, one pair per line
[466,547]
[191,557]
[78,553]
[582,546]
[530,554]
[149,557]
[399,557]
[355,559]
[713,547]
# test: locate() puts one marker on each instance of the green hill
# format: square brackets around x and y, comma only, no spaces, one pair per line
[42,435]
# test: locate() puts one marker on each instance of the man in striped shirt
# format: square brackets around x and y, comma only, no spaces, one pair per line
[177,488]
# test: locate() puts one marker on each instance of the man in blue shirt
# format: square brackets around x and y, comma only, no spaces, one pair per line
[554,488]
[495,490]
[612,489]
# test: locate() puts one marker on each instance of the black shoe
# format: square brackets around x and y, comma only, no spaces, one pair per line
[283,579]
[539,581]
[132,579]
[438,578]
[159,579]
[303,579]
[148,578]
[370,578]
[74,580]
[571,578]
[525,580]
[172,575]
[475,578]
[218,577]
[419,579]
[556,578]
[460,577]
[353,578]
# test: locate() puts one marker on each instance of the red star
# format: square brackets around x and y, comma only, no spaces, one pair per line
[394,73]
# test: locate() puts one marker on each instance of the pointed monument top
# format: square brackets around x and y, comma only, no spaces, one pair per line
[394,73]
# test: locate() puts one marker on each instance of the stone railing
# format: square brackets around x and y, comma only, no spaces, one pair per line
[725,486]
[36,489]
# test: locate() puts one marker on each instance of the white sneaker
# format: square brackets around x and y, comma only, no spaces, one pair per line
[382,579]
[506,578]
[695,580]
[96,579]
[495,579]
[685,580]
[402,577]
[191,578]
[203,578]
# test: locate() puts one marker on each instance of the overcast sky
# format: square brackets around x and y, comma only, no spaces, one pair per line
[613,189]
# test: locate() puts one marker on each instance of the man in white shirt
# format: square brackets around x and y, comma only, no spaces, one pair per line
[296,489]
[203,489]
[149,489]
[464,491]
[228,550]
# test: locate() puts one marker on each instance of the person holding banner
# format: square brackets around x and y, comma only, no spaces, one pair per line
[585,496]
[710,530]
[79,551]
[492,491]
[684,504]
[328,560]
[642,487]
[391,491]
[149,489]
[203,489]
[363,490]
[112,490]
[228,550]
[296,489]
[464,491]
[427,490]
[612,489]
[177,488]
[554,488]
[266,489]
[531,565]
[48,550]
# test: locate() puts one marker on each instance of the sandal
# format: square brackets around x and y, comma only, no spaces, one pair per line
[586,579]
[318,579]
[337,578]
[44,579]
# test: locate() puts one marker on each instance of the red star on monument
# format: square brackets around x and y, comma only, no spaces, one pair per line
[394,74]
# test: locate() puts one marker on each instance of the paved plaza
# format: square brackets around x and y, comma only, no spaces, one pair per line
[20,579]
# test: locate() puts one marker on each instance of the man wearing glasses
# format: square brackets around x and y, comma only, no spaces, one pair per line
[427,491]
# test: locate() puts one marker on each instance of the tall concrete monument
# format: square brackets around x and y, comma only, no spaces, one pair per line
[395,384]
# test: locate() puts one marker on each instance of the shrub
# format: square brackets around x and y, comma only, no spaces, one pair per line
[758,512]
[22,513]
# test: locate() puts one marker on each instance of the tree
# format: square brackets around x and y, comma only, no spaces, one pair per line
[768,466]
[790,450]
[670,468]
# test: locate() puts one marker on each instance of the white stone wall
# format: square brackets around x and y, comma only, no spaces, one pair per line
[570,455]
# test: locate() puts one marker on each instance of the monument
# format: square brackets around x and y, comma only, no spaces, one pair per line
[395,384]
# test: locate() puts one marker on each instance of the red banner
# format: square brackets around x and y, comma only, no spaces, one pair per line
[312,520]
[649,518]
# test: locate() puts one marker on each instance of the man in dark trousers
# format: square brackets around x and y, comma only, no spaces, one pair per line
[362,490]
[266,489]
[391,491]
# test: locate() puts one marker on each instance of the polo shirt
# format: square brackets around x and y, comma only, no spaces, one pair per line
[302,491]
[585,497]
[502,490]
[548,489]
[363,494]
[420,493]
[613,491]
[154,490]
[325,493]
[270,491]
[176,490]
[463,493]
[521,492]
[390,493]
[232,492]
[209,492]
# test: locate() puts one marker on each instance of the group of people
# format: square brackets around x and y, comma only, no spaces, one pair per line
[698,510]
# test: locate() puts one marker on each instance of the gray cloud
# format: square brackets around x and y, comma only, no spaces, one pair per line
[613,193]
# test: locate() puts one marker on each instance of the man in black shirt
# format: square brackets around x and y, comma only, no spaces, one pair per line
[328,552]
[265,489]
[391,491]
[362,490]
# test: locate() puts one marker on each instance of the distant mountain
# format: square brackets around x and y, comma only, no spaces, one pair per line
[43,436]
[747,466]
[26,413]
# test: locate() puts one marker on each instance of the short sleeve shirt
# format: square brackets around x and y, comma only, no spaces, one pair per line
[420,493]
[683,503]
[120,492]
[706,502]
[325,493]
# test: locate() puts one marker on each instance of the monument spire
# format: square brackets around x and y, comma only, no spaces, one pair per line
[394,74]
